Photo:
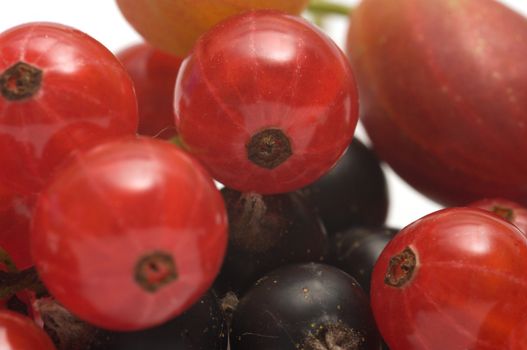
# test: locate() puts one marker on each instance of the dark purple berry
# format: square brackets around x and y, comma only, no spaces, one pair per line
[203,327]
[305,306]
[353,193]
[356,250]
[66,330]
[266,232]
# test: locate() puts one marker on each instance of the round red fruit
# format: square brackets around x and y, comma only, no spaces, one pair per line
[154,75]
[15,219]
[20,333]
[267,102]
[129,234]
[511,211]
[60,91]
[454,279]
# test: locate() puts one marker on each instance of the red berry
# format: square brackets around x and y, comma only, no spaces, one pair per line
[129,234]
[60,91]
[267,102]
[20,333]
[154,74]
[511,211]
[15,218]
[519,336]
[454,279]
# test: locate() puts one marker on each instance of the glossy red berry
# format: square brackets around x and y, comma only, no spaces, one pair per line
[60,91]
[20,333]
[267,102]
[454,279]
[154,75]
[511,211]
[129,234]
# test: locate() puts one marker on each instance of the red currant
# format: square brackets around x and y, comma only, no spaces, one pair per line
[20,333]
[509,210]
[454,279]
[518,338]
[129,234]
[267,102]
[154,74]
[15,217]
[60,91]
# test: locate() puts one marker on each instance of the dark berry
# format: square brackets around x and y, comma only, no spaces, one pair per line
[67,331]
[306,306]
[356,250]
[266,232]
[353,193]
[202,327]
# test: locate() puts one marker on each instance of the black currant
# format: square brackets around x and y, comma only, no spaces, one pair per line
[266,232]
[304,306]
[356,250]
[202,327]
[66,330]
[353,193]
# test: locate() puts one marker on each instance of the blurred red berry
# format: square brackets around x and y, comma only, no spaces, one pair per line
[154,75]
[60,91]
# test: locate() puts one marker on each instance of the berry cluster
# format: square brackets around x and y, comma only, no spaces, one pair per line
[114,234]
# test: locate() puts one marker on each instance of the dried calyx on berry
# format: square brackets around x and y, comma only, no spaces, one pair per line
[20,81]
[266,232]
[67,331]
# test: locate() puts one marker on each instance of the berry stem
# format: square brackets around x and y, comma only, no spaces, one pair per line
[178,142]
[324,7]
[506,213]
[6,259]
[14,282]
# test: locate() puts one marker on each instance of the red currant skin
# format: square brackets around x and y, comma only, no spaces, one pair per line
[509,210]
[454,279]
[154,75]
[21,333]
[267,102]
[129,234]
[60,91]
[15,218]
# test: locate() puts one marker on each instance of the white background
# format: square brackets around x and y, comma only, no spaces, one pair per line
[102,20]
